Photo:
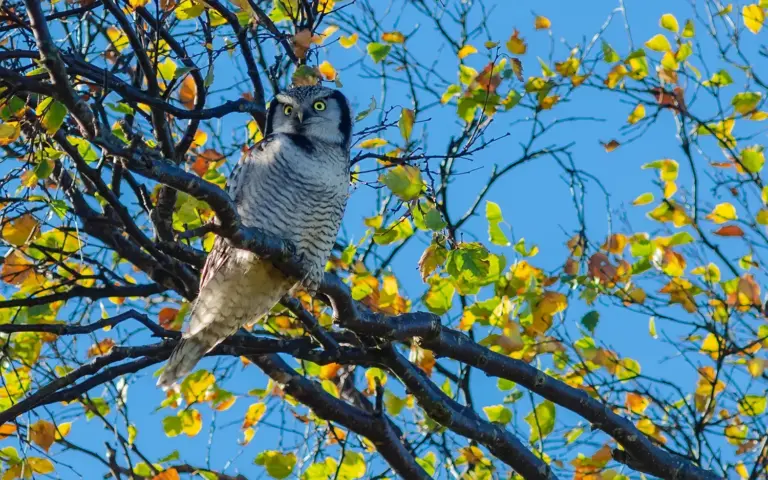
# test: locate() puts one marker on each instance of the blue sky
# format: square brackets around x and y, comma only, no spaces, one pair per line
[534,198]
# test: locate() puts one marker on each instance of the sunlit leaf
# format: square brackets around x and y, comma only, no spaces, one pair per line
[754,17]
[669,22]
[277,464]
[541,420]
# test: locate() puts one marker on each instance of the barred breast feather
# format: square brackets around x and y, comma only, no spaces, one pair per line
[278,189]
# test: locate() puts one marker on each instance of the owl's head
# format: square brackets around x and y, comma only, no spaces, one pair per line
[315,112]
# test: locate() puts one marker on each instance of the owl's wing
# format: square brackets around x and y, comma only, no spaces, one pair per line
[222,249]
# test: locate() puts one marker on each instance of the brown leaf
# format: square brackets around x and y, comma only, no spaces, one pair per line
[101,348]
[487,80]
[43,433]
[517,68]
[729,231]
[16,268]
[610,146]
[601,268]
[301,42]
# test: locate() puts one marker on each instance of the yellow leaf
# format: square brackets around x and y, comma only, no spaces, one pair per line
[616,243]
[542,23]
[466,51]
[689,30]
[348,41]
[659,43]
[191,422]
[20,231]
[754,17]
[326,6]
[373,374]
[741,469]
[515,44]
[670,188]
[254,414]
[637,114]
[9,132]
[711,345]
[195,386]
[40,465]
[636,403]
[62,430]
[327,71]
[6,430]
[551,303]
[393,37]
[137,3]
[643,199]
[373,143]
[669,22]
[722,213]
[118,38]
[199,139]
[616,74]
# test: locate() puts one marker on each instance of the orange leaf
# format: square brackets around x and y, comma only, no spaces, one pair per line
[170,474]
[101,348]
[729,231]
[6,430]
[188,92]
[166,318]
[487,80]
[16,268]
[43,434]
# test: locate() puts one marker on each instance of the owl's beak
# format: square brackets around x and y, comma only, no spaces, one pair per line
[300,115]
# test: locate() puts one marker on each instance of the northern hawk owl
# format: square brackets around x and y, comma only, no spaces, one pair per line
[294,184]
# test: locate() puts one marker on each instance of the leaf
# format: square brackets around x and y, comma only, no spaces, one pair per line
[6,430]
[327,71]
[195,386]
[643,199]
[498,414]
[433,257]
[753,158]
[610,146]
[392,37]
[21,230]
[53,114]
[40,465]
[118,38]
[348,41]
[168,319]
[367,111]
[278,465]
[723,213]
[754,17]
[659,43]
[188,92]
[191,422]
[752,405]
[627,369]
[43,433]
[372,143]
[404,181]
[515,44]
[352,466]
[609,54]
[9,132]
[689,30]
[541,23]
[102,348]
[616,244]
[637,114]
[372,375]
[669,22]
[189,9]
[466,51]
[378,51]
[541,420]
[590,320]
[439,297]
[450,92]
[405,123]
[494,217]
[255,412]
[729,231]
[170,474]
[745,102]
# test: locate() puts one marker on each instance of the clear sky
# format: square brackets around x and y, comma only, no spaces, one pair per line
[535,199]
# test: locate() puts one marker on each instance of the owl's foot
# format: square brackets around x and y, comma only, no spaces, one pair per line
[313,276]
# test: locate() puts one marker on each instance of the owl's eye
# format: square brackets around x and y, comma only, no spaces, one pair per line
[288,109]
[319,105]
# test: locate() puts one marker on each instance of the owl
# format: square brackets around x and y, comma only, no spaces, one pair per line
[294,184]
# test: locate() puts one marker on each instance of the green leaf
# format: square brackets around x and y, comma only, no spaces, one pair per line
[719,79]
[609,54]
[404,181]
[450,92]
[494,217]
[189,9]
[367,111]
[84,148]
[378,51]
[590,321]
[439,297]
[498,414]
[278,465]
[541,420]
[398,230]
[504,385]
[573,435]
[53,113]
[407,117]
[428,463]
[172,426]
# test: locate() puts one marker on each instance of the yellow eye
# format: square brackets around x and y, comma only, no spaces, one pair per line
[288,109]
[319,105]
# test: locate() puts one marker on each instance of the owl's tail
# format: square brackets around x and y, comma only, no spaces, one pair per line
[185,356]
